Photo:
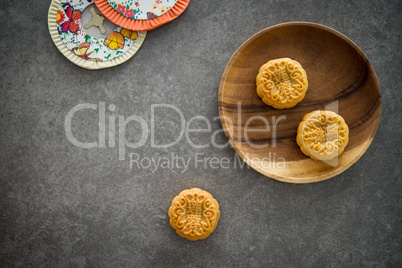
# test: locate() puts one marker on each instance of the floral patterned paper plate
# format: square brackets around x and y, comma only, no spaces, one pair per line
[69,34]
[141,15]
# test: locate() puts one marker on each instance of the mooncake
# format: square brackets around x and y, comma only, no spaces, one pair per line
[194,214]
[322,135]
[281,83]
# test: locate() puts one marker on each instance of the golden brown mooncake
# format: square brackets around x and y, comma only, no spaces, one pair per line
[281,83]
[322,135]
[194,214]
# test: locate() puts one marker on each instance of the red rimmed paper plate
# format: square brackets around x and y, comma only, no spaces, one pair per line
[341,79]
[141,15]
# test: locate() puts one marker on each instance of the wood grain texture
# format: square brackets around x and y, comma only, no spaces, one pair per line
[341,79]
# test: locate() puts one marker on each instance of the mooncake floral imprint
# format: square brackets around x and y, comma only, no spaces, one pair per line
[281,83]
[194,214]
[322,135]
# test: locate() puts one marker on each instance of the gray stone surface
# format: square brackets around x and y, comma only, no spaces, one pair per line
[64,206]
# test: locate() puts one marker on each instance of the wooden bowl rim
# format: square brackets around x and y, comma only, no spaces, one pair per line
[249,161]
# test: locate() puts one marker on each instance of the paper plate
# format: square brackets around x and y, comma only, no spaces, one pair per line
[340,78]
[88,51]
[142,15]
[142,10]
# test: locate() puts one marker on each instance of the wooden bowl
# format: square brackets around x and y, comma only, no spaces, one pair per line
[341,79]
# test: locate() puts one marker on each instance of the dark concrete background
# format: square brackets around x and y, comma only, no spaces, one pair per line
[63,206]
